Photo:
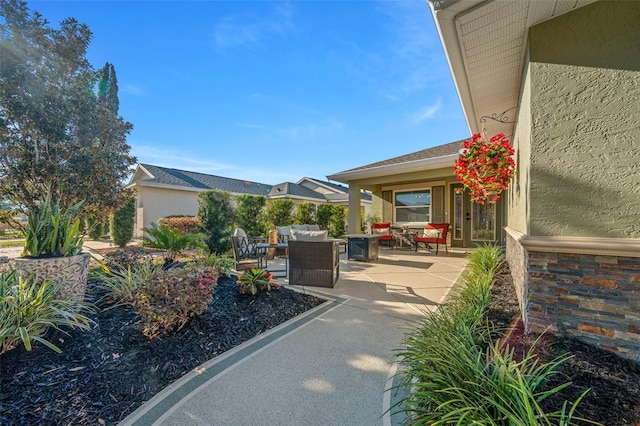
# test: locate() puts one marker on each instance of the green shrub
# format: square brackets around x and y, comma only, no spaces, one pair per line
[168,299]
[305,213]
[459,376]
[256,280]
[337,223]
[122,223]
[279,213]
[28,309]
[94,227]
[368,220]
[184,224]
[216,219]
[171,240]
[323,215]
[249,214]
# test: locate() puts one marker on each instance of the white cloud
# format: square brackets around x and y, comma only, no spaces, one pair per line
[429,112]
[251,30]
[132,89]
[255,172]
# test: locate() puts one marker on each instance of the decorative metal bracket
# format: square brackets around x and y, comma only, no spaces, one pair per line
[502,118]
[441,4]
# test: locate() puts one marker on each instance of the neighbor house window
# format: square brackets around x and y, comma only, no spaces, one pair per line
[412,206]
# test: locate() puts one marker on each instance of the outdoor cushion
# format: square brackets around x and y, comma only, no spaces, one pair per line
[380,230]
[283,230]
[301,227]
[302,235]
[314,227]
[431,233]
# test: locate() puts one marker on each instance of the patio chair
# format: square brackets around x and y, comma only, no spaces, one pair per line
[246,249]
[383,230]
[434,233]
[314,263]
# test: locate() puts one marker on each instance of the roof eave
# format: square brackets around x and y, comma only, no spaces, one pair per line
[393,169]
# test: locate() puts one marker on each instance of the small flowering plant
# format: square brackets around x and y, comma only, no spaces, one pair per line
[255,280]
[485,167]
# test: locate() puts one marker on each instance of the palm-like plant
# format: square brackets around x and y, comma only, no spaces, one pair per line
[28,309]
[52,231]
[171,240]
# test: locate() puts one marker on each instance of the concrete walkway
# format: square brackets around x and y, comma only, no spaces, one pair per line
[329,366]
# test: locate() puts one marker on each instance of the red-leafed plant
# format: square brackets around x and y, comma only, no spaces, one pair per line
[168,299]
[486,167]
[256,280]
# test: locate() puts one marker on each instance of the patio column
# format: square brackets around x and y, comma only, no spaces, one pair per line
[354,219]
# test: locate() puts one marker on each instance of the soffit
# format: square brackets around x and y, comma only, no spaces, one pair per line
[486,43]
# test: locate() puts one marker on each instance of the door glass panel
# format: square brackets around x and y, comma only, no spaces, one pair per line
[483,221]
[457,216]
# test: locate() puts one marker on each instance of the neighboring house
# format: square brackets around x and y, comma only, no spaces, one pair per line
[162,191]
[414,189]
[562,80]
[308,190]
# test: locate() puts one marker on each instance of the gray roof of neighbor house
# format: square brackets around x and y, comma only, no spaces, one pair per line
[343,194]
[183,178]
[150,175]
[293,189]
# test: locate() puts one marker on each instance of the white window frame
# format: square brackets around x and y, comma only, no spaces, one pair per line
[420,223]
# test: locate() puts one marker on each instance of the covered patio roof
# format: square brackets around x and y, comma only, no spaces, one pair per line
[426,159]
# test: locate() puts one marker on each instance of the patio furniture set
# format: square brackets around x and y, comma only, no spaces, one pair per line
[313,259]
[400,237]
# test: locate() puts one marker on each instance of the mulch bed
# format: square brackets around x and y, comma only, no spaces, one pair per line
[106,373]
[614,398]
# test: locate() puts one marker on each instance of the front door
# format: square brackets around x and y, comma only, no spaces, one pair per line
[473,223]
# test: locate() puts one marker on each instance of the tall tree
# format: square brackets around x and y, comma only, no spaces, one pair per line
[54,129]
[108,88]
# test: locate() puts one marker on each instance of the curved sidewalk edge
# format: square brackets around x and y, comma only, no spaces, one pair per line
[164,402]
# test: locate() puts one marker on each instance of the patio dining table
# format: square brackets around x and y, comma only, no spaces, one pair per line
[403,238]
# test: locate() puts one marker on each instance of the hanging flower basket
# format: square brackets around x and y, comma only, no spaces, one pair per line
[485,167]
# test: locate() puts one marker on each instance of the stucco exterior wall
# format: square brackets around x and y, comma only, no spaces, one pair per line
[585,137]
[156,203]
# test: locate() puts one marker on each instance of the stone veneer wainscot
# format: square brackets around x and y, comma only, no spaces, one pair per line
[594,297]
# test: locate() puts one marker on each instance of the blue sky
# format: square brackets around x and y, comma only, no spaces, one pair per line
[273,91]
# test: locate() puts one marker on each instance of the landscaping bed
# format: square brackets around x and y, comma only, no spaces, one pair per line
[106,373]
[614,398]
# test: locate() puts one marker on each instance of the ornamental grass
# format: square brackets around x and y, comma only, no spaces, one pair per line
[458,375]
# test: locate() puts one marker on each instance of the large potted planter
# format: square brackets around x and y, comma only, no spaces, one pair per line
[52,248]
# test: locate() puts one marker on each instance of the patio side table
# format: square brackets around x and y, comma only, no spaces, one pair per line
[363,247]
[266,246]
